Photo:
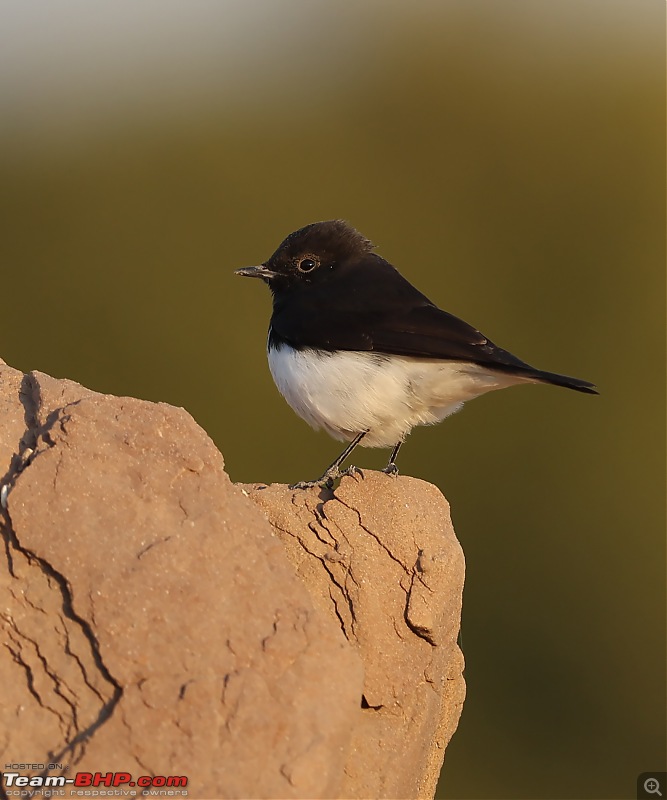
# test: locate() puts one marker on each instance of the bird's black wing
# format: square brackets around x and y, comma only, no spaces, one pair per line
[428,332]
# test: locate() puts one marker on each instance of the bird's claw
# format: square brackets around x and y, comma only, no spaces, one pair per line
[390,469]
[325,482]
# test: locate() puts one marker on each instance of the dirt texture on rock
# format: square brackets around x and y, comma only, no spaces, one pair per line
[154,623]
[380,556]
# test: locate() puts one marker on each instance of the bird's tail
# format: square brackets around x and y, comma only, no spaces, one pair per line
[564,380]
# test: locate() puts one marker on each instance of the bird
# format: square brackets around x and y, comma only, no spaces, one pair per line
[355,349]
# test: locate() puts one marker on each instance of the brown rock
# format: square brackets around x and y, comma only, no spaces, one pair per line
[380,555]
[153,623]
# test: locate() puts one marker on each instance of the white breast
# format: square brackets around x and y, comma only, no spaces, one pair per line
[349,392]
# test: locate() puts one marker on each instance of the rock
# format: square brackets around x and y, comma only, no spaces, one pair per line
[380,556]
[155,624]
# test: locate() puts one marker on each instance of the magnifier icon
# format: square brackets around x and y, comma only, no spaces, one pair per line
[652,786]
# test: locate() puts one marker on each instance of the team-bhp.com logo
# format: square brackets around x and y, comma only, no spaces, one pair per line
[94,784]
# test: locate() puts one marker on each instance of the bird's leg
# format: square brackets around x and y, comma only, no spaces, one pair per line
[391,468]
[333,471]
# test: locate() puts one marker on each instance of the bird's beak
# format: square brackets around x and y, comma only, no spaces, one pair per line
[256,272]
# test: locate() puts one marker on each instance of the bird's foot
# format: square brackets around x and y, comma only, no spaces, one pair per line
[325,481]
[322,482]
[390,469]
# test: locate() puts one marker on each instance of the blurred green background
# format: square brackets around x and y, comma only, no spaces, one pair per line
[509,158]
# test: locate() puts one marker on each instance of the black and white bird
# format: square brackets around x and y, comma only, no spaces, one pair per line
[356,350]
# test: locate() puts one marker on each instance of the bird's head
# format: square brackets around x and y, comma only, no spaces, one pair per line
[310,254]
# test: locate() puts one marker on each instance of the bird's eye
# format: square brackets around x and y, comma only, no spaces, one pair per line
[306,264]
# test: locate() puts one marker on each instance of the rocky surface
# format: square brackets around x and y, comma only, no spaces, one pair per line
[154,622]
[380,556]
